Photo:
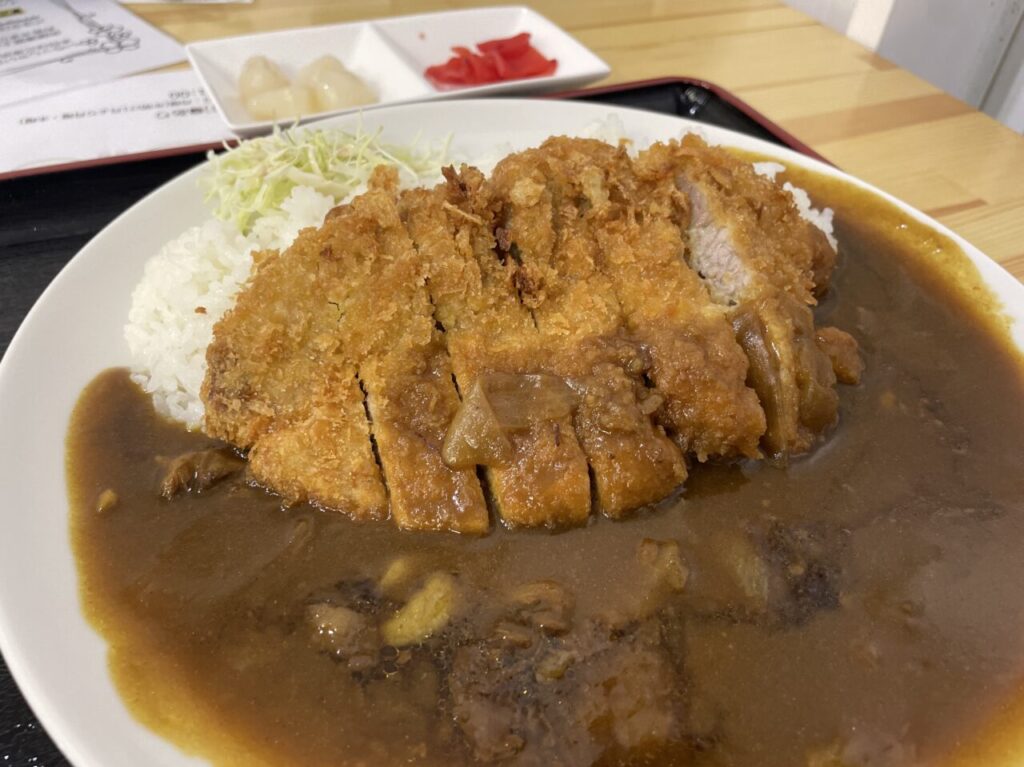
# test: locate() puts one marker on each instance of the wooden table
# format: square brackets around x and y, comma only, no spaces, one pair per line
[866,115]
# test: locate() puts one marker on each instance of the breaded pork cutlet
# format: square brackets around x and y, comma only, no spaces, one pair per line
[488,331]
[546,214]
[578,326]
[349,297]
[275,387]
[695,364]
[761,259]
[387,325]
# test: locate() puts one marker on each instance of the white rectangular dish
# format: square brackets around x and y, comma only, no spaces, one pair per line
[390,56]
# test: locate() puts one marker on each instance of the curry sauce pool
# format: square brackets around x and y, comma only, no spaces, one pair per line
[858,607]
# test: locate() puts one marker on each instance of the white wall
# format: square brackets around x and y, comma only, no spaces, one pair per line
[831,13]
[868,20]
[972,49]
[954,44]
[1005,97]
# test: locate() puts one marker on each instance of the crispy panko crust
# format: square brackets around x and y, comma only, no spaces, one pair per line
[765,265]
[340,366]
[552,201]
[489,330]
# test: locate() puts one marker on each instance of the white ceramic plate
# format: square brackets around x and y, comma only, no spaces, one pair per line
[390,55]
[75,331]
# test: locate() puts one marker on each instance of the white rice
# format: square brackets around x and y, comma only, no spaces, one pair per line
[201,270]
[820,218]
[205,267]
[769,169]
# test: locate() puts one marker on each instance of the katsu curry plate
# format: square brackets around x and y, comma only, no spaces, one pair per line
[519,433]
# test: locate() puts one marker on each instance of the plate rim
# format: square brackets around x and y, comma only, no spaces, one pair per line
[75,744]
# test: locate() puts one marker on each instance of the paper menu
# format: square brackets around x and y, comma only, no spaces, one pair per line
[48,46]
[129,116]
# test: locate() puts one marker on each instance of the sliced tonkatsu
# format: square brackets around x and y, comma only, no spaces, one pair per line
[547,216]
[346,308]
[696,367]
[762,260]
[386,325]
[275,387]
[558,339]
[544,479]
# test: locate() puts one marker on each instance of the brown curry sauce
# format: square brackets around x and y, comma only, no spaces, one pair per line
[861,606]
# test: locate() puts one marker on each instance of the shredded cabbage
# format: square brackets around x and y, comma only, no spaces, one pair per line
[254,178]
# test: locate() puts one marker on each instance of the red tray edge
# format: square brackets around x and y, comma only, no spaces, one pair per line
[152,154]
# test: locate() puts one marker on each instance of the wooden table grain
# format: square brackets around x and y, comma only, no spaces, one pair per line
[868,116]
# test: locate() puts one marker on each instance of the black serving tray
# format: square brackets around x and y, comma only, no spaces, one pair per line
[46,218]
